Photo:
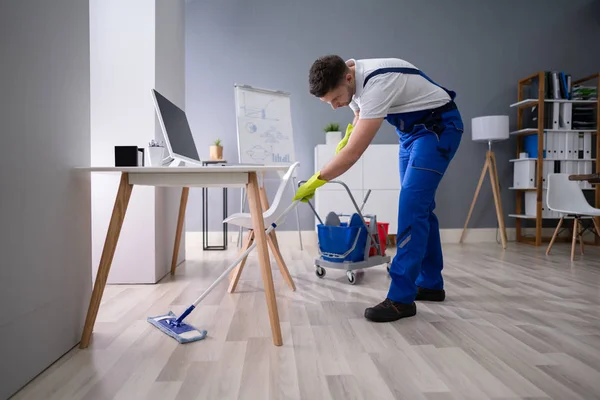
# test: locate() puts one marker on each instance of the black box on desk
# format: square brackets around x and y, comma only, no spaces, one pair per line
[129,156]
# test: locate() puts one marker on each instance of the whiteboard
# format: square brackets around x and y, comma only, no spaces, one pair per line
[264,126]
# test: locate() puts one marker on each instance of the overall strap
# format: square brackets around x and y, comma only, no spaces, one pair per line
[406,70]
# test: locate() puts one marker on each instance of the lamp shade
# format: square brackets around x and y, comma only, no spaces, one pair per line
[491,128]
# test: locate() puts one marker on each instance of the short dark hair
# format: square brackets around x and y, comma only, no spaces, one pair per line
[325,74]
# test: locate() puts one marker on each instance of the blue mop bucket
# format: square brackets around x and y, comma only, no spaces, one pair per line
[345,242]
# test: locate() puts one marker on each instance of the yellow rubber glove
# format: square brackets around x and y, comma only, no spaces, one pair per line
[307,190]
[344,141]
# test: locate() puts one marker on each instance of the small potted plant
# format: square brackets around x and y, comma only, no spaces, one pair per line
[333,135]
[216,150]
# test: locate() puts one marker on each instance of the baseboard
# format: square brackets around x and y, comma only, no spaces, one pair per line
[477,235]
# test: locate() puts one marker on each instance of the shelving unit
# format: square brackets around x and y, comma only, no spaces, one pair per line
[528,100]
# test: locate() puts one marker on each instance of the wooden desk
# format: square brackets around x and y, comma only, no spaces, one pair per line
[591,178]
[184,177]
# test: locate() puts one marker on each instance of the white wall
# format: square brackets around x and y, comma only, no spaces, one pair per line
[134,45]
[45,279]
[170,81]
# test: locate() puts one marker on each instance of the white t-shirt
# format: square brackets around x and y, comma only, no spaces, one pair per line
[395,87]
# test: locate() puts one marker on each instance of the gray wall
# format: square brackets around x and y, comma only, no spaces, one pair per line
[45,252]
[478,48]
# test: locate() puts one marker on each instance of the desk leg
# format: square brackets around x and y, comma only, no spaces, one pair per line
[182,206]
[108,252]
[263,256]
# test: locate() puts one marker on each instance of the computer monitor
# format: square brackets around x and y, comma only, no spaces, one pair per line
[176,130]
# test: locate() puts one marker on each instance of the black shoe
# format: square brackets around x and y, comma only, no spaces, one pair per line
[430,294]
[388,310]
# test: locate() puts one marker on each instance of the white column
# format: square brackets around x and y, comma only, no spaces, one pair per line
[136,45]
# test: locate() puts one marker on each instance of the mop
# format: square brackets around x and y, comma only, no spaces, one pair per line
[185,333]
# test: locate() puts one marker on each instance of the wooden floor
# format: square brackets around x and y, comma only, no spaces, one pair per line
[516,325]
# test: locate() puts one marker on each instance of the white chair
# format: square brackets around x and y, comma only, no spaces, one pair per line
[566,197]
[270,216]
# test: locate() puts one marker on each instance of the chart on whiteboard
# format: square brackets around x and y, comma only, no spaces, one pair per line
[264,127]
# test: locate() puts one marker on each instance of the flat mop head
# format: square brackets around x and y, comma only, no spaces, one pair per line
[182,332]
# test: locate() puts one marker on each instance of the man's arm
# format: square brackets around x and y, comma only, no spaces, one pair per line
[356,116]
[362,135]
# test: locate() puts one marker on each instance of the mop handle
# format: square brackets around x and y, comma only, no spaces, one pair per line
[243,255]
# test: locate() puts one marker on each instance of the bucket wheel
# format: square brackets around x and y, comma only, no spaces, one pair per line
[319,271]
[351,277]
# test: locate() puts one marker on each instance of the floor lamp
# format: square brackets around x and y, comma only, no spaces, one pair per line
[489,129]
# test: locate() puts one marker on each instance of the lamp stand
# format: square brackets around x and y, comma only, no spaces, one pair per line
[490,165]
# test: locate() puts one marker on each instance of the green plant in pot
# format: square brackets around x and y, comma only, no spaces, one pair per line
[216,150]
[333,134]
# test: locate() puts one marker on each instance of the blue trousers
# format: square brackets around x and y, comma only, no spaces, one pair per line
[425,154]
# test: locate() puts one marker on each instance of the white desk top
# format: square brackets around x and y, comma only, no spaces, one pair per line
[194,170]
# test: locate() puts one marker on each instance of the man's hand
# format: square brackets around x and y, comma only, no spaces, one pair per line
[362,135]
[344,141]
[307,190]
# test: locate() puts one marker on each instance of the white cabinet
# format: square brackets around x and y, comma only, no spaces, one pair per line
[376,170]
[380,167]
[384,204]
[337,201]
[353,177]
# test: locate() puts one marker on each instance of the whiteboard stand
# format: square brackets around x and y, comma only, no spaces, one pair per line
[264,133]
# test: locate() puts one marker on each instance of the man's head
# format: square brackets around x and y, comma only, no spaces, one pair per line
[332,81]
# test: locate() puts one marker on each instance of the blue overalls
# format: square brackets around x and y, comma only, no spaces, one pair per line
[428,141]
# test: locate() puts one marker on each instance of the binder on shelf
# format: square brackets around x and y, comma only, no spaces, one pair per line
[524,174]
[550,145]
[587,146]
[556,116]
[575,144]
[566,110]
[580,168]
[568,167]
[587,169]
[555,86]
[547,168]
[571,142]
[531,204]
[562,146]
[530,146]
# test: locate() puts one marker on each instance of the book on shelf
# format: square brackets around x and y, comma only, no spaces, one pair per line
[557,86]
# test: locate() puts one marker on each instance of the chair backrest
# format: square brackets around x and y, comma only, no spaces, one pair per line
[566,196]
[276,206]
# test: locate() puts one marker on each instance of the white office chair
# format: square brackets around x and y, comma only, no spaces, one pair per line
[567,198]
[269,216]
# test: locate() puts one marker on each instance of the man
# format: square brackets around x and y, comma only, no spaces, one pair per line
[429,127]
